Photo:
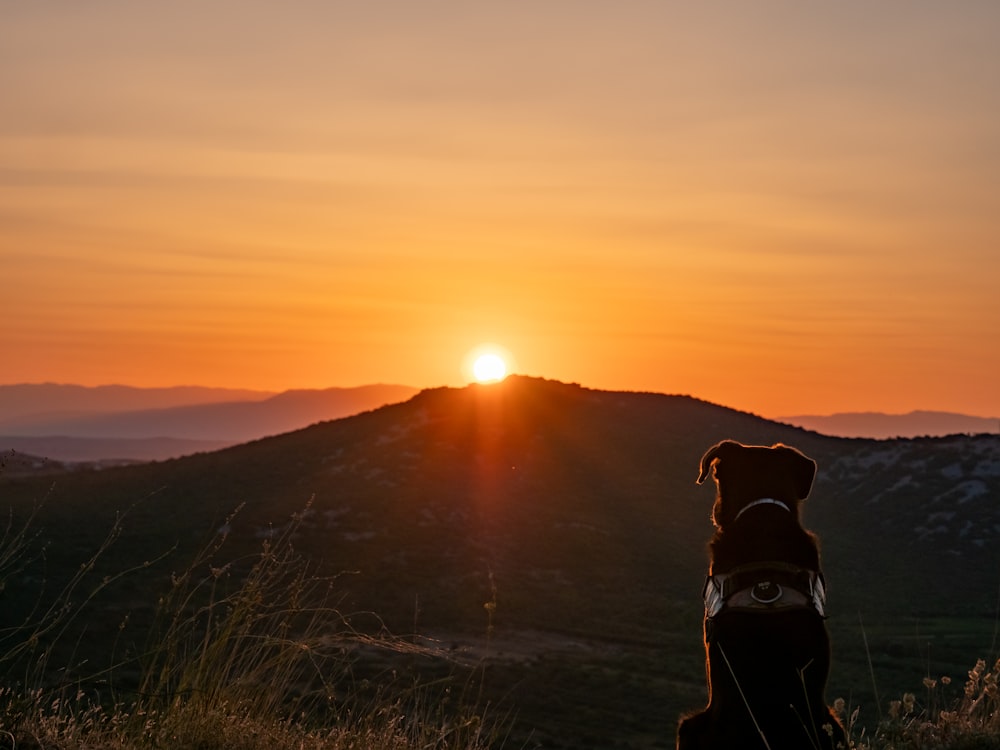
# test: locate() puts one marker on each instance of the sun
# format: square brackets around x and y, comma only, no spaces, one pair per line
[488,363]
[489,368]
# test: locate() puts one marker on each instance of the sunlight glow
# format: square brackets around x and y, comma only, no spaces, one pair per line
[489,368]
[488,363]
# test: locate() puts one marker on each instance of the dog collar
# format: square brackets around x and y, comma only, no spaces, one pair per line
[762,501]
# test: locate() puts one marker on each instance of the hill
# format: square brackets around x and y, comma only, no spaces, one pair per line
[885,426]
[59,450]
[56,400]
[69,423]
[575,513]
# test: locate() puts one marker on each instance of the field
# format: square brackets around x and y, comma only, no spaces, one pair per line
[263,658]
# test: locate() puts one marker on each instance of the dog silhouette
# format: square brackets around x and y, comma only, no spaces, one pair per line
[766,644]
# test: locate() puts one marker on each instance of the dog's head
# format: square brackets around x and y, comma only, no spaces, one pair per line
[745,473]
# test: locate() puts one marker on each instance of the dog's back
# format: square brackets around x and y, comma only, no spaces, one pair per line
[768,652]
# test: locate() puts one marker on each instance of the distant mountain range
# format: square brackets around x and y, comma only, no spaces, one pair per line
[54,400]
[575,512]
[71,423]
[114,424]
[883,426]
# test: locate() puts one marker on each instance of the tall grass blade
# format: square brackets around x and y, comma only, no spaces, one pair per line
[871,668]
[744,697]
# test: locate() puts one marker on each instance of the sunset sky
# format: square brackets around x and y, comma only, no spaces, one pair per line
[782,207]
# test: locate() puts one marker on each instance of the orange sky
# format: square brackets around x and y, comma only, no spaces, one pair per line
[789,209]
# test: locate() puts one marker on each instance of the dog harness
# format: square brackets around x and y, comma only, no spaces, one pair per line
[765,587]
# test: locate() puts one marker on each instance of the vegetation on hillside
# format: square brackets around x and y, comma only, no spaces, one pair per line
[573,512]
[270,663]
[265,664]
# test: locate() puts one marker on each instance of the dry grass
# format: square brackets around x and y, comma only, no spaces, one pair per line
[245,655]
[938,720]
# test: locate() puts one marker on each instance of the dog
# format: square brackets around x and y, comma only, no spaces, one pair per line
[766,643]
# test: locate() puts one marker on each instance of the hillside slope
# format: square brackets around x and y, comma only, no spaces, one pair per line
[576,509]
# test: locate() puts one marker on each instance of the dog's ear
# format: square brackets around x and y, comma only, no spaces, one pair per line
[801,468]
[716,453]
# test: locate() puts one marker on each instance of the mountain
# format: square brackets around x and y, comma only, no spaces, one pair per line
[883,426]
[575,513]
[91,424]
[54,401]
[58,449]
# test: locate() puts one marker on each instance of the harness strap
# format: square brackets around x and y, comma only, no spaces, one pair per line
[765,586]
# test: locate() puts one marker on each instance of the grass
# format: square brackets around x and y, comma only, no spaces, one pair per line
[944,717]
[243,654]
[254,652]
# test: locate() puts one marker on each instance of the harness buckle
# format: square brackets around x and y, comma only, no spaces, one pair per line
[765,585]
[766,592]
